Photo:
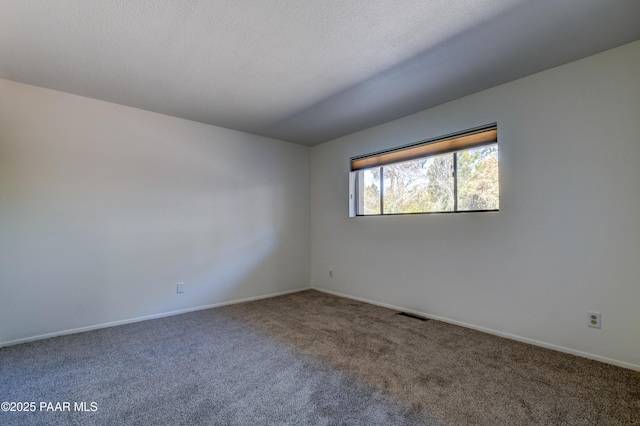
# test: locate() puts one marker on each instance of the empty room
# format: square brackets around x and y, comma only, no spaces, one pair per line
[344,212]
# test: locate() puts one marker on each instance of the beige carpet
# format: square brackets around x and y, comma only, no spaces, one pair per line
[450,373]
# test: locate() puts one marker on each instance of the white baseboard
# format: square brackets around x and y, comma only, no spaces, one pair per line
[145,318]
[534,342]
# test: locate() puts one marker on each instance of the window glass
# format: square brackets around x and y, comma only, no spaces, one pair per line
[478,187]
[465,180]
[416,186]
[370,191]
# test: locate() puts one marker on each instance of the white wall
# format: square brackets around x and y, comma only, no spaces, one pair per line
[104,208]
[566,239]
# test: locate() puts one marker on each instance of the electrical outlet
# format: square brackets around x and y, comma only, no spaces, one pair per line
[594,320]
[330,274]
[180,288]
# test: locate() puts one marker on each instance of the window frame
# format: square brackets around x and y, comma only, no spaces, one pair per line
[453,144]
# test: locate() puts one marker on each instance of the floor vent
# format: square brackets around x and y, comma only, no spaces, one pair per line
[418,317]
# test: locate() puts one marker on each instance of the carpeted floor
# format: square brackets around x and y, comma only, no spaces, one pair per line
[309,358]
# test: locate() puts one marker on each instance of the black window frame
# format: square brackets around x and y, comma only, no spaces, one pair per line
[439,140]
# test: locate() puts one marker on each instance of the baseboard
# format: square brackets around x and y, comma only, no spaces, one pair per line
[534,342]
[145,318]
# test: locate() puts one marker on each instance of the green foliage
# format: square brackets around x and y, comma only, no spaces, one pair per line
[427,184]
[478,187]
[372,191]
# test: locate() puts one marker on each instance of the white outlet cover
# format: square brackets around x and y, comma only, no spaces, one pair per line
[180,288]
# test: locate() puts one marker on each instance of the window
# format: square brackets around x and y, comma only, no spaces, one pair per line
[455,173]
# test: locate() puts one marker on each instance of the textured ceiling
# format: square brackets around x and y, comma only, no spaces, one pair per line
[300,71]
